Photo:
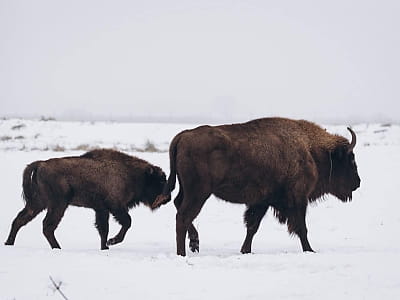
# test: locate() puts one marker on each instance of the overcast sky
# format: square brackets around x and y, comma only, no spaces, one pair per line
[201,60]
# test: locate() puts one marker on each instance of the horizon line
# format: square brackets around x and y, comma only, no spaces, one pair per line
[191,119]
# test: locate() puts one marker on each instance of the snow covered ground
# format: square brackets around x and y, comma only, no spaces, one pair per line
[357,243]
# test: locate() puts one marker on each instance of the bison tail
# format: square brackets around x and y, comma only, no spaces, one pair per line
[169,186]
[171,182]
[29,182]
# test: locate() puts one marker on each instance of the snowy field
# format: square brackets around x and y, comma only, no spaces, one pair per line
[357,243]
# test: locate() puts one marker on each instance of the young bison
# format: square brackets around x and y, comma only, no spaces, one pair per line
[106,180]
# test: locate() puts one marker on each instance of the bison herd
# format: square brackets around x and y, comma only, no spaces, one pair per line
[275,163]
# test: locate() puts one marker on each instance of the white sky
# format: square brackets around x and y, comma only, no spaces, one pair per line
[203,60]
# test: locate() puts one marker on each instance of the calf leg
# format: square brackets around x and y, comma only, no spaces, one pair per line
[192,232]
[102,227]
[252,218]
[50,223]
[297,224]
[125,220]
[24,216]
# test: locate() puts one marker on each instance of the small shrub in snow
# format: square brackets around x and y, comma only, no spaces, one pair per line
[45,119]
[18,127]
[150,147]
[58,148]
[83,147]
[5,138]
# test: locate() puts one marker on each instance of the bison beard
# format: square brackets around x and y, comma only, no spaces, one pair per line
[105,180]
[270,162]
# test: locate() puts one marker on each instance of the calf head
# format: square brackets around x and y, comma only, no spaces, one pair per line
[344,178]
[155,180]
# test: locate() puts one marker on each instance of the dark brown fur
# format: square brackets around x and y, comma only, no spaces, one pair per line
[107,181]
[270,162]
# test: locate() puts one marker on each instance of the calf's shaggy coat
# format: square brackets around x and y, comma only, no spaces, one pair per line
[107,181]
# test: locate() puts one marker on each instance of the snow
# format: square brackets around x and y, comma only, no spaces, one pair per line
[357,244]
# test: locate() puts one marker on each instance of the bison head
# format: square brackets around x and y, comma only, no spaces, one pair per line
[155,181]
[344,177]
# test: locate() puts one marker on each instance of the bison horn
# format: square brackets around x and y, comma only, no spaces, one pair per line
[353,139]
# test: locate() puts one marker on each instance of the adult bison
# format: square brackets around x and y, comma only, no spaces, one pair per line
[270,162]
[106,180]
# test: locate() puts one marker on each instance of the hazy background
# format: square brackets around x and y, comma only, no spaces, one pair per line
[330,61]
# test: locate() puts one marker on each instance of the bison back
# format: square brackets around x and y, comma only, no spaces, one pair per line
[245,163]
[85,182]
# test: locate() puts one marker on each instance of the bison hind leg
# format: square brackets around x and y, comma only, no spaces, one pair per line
[194,243]
[185,215]
[50,223]
[24,216]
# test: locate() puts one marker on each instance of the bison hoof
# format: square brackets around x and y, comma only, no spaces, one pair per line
[309,250]
[8,243]
[104,248]
[112,241]
[194,246]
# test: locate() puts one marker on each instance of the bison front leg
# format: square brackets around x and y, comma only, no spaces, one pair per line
[102,226]
[252,218]
[125,220]
[50,223]
[297,224]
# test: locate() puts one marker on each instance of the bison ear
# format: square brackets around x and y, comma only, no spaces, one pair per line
[158,171]
[154,171]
